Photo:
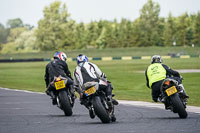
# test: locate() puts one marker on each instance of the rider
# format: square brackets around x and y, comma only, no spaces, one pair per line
[157,72]
[86,72]
[55,68]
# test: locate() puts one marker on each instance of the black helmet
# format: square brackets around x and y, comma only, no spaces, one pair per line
[156,59]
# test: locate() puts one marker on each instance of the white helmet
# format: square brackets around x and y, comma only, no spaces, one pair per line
[60,55]
[81,58]
[156,59]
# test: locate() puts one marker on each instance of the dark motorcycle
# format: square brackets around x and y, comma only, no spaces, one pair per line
[173,98]
[97,103]
[65,98]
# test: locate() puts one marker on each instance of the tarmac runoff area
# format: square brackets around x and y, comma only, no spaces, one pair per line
[188,70]
[32,112]
[193,109]
[182,71]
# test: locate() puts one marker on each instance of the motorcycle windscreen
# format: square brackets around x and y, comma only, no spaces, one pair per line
[170,91]
[60,84]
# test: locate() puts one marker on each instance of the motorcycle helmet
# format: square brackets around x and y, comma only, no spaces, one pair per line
[156,59]
[60,55]
[81,58]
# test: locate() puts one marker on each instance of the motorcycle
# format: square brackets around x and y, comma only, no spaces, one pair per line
[64,97]
[173,98]
[97,103]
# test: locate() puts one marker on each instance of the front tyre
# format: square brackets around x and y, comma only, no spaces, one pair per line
[178,106]
[99,109]
[65,103]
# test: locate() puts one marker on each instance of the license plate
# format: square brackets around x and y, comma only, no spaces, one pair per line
[90,91]
[60,84]
[171,90]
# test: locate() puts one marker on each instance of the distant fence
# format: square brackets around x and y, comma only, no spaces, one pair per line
[100,58]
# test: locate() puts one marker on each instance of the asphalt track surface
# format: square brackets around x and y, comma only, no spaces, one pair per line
[22,112]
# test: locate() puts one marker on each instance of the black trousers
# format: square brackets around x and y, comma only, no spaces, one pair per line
[107,89]
[156,90]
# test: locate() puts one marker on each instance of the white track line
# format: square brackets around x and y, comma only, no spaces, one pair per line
[193,109]
[22,91]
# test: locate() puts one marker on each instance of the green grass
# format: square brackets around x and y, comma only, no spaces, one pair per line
[127,77]
[116,52]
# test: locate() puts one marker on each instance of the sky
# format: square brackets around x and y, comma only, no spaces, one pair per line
[31,11]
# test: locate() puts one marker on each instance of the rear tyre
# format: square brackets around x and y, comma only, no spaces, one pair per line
[100,111]
[65,103]
[178,106]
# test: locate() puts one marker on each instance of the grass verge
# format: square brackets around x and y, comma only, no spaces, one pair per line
[114,52]
[127,77]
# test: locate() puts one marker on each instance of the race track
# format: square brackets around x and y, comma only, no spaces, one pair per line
[23,112]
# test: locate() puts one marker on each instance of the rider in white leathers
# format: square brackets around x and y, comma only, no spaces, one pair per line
[89,73]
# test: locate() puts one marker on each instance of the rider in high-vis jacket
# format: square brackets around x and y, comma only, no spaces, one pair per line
[87,72]
[157,72]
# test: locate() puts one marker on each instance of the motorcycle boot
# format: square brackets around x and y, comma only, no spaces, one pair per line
[110,99]
[163,100]
[182,91]
[113,118]
[115,102]
[91,112]
[110,95]
[167,106]
[53,97]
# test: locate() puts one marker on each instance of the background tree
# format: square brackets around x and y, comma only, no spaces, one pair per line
[196,39]
[4,32]
[101,40]
[149,24]
[170,31]
[80,36]
[57,31]
[183,24]
[26,42]
[108,35]
[50,29]
[92,34]
[13,23]
[67,38]
[15,33]
[136,33]
[127,30]
[122,33]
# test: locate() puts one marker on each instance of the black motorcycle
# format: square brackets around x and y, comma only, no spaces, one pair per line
[65,98]
[173,98]
[97,103]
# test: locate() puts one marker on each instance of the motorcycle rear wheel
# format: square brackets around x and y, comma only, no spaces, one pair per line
[178,106]
[65,103]
[100,110]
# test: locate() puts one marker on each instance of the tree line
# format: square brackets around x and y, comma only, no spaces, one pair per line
[58,31]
